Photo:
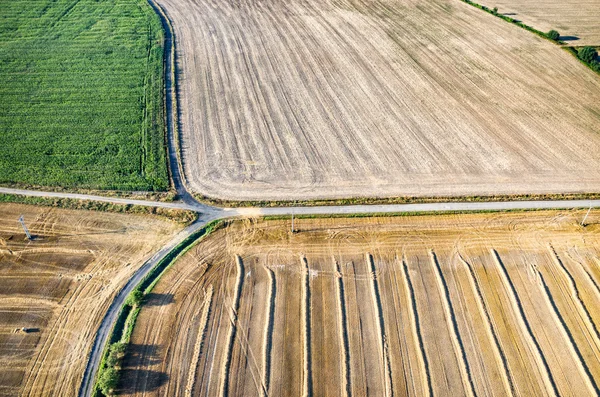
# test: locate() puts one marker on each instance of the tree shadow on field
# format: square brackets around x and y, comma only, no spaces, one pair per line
[154,299]
[141,355]
[140,380]
[134,375]
[568,38]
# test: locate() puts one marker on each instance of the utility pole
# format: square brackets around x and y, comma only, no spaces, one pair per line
[292,222]
[586,215]
[22,221]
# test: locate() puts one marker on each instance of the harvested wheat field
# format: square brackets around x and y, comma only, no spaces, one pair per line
[55,290]
[577,21]
[322,99]
[486,304]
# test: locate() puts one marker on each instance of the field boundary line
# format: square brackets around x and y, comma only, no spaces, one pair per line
[233,314]
[586,269]
[343,330]
[568,336]
[543,366]
[490,329]
[268,335]
[383,344]
[593,65]
[306,324]
[144,279]
[200,341]
[416,329]
[171,101]
[575,295]
[452,325]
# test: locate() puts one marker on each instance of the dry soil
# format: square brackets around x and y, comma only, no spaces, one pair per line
[55,290]
[322,99]
[488,304]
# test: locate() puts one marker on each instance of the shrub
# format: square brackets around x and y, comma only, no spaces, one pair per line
[115,355]
[588,54]
[118,349]
[135,298]
[108,381]
[553,35]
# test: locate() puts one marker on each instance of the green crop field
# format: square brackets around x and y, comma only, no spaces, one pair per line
[81,94]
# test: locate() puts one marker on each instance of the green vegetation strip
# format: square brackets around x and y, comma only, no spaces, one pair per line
[118,341]
[586,55]
[82,94]
[401,214]
[395,200]
[177,215]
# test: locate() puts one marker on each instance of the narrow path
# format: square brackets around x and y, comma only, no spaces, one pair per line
[115,200]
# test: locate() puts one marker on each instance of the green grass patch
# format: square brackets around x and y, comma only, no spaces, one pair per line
[395,200]
[82,94]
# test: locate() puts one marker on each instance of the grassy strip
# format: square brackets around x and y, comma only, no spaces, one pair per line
[110,364]
[403,214]
[180,216]
[395,200]
[594,65]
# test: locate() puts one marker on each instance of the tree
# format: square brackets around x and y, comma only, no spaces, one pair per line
[108,381]
[118,349]
[116,354]
[553,35]
[588,54]
[495,11]
[135,298]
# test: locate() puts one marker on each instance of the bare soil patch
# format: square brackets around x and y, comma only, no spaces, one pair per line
[486,304]
[55,289]
[328,99]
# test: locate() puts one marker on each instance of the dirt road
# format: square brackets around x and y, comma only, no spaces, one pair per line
[210,212]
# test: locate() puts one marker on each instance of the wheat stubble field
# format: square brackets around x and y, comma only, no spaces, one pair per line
[322,99]
[576,20]
[486,304]
[55,290]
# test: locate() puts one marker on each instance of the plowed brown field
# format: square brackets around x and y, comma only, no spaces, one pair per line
[320,99]
[576,20]
[487,304]
[59,286]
